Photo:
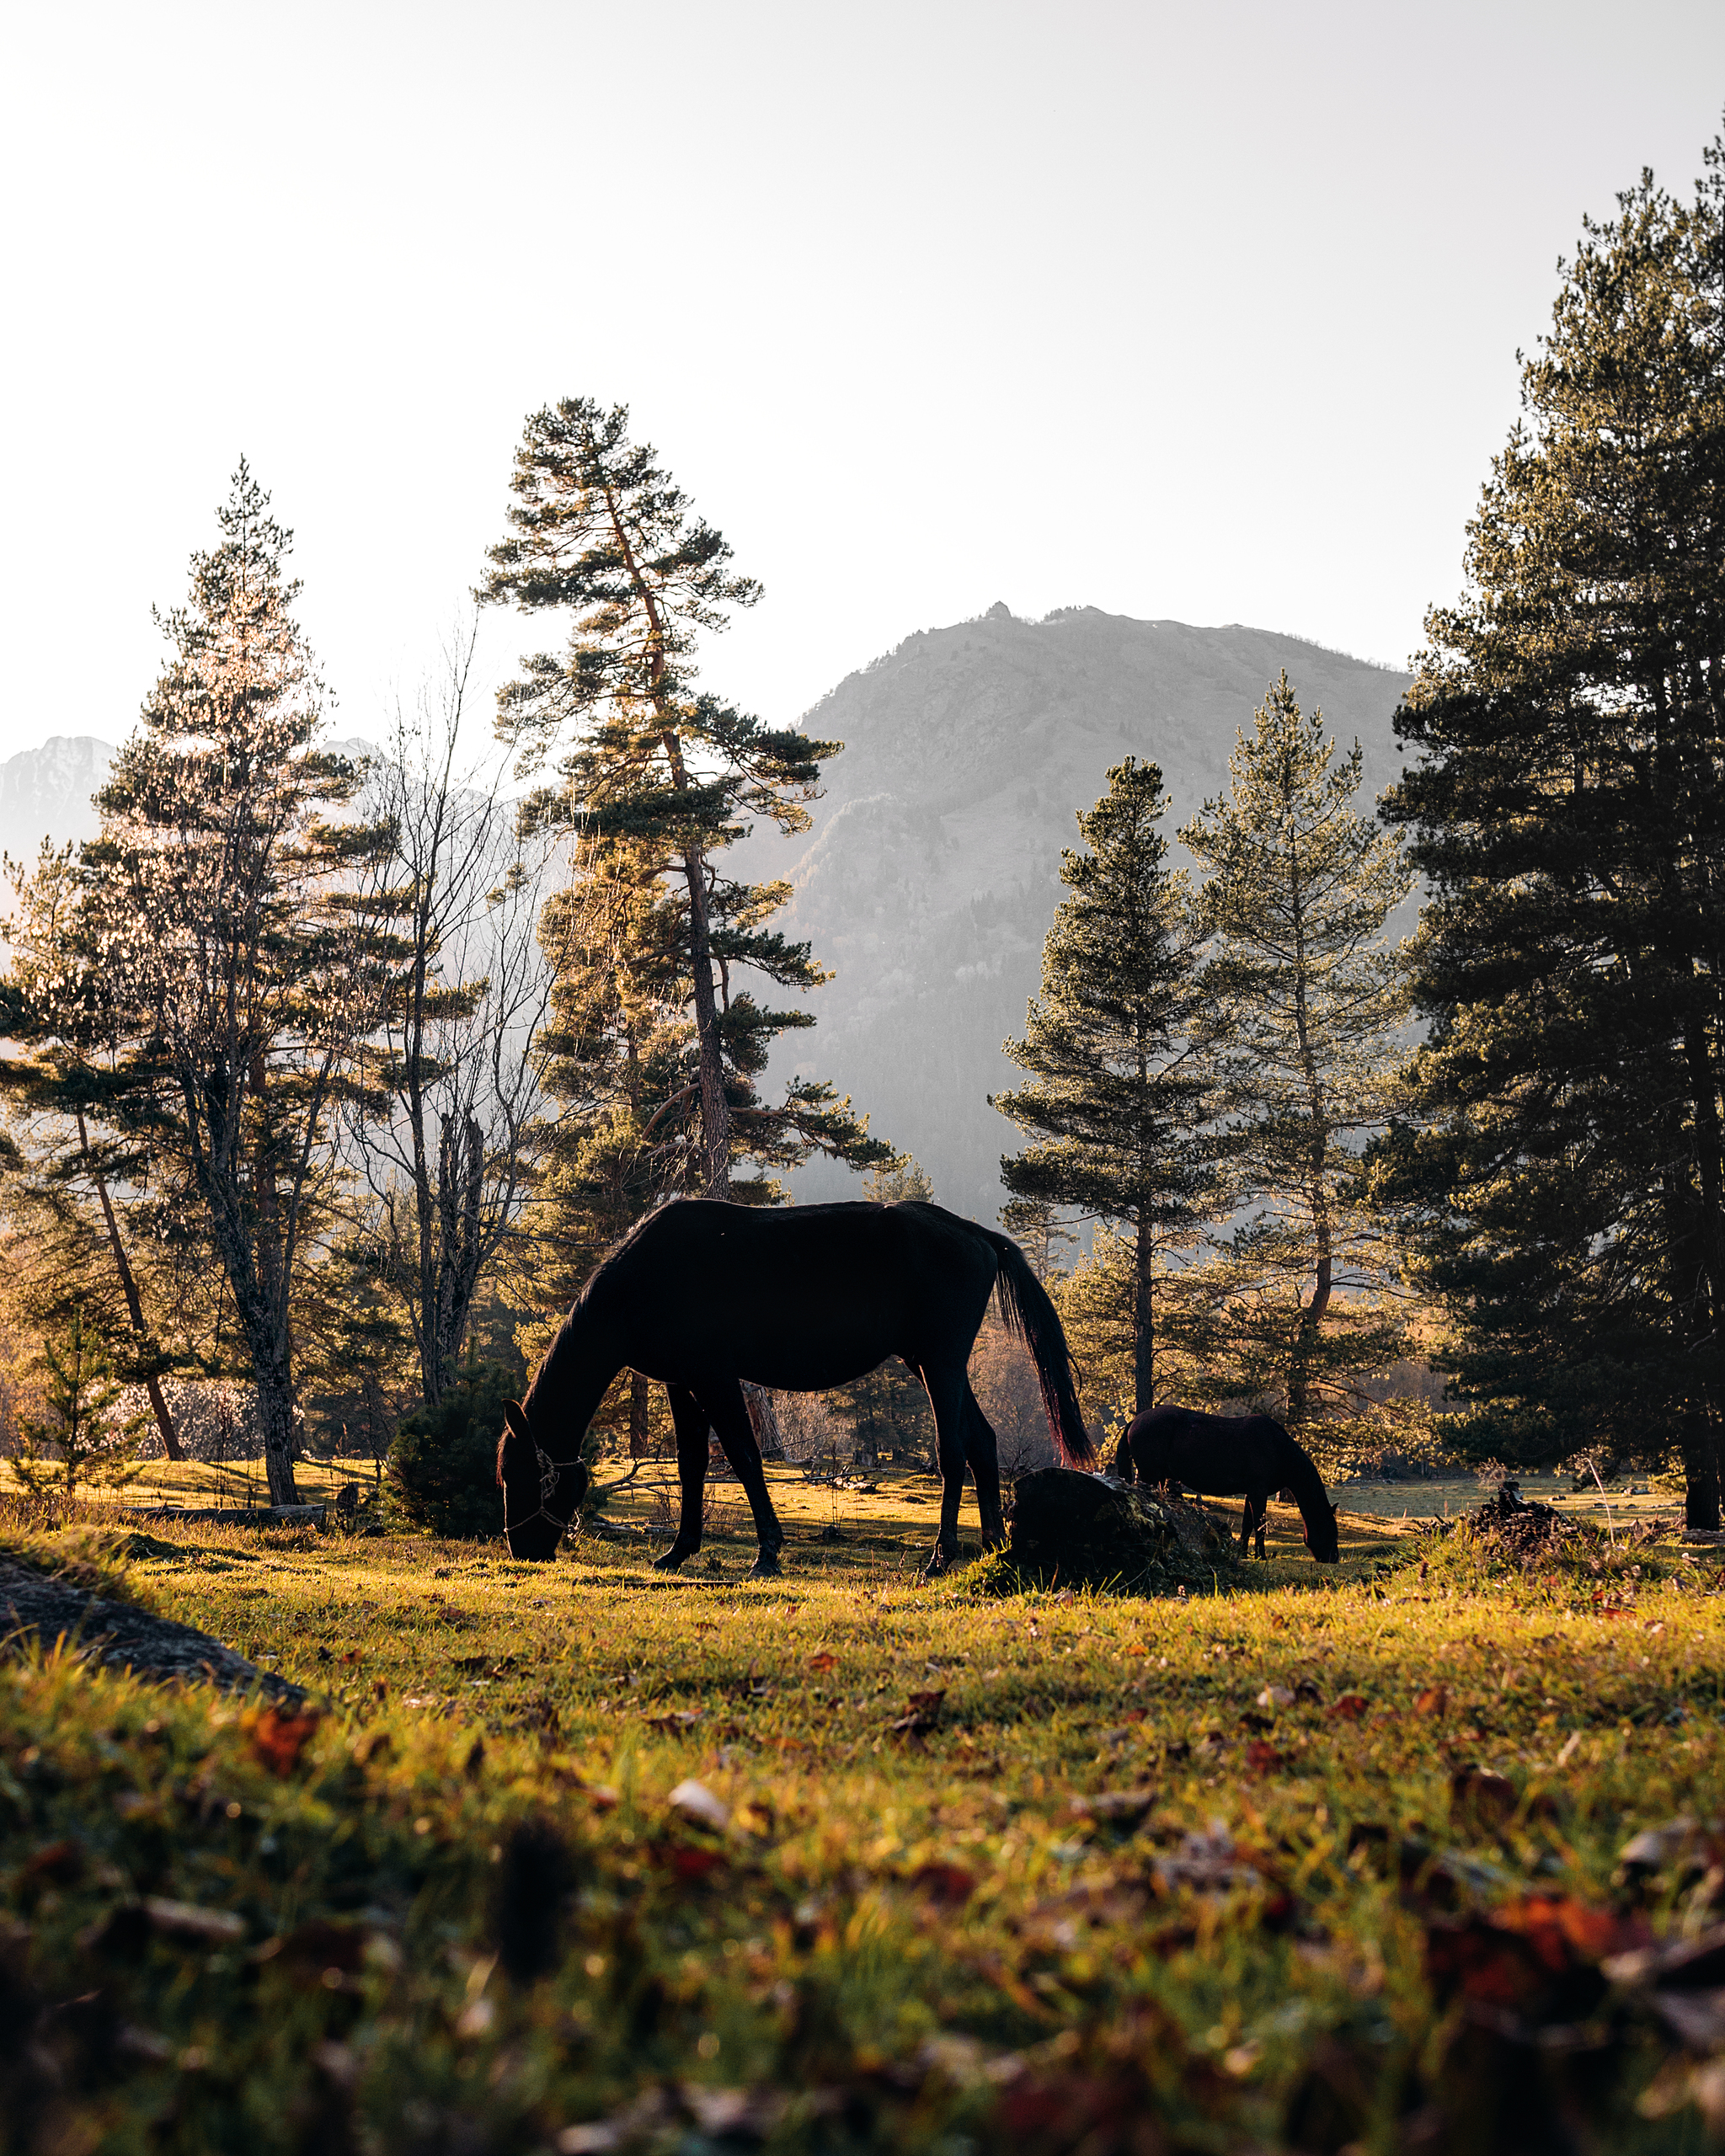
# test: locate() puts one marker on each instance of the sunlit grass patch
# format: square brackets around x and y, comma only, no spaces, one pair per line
[1020,1850]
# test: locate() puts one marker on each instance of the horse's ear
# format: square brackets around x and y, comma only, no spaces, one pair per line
[516,1416]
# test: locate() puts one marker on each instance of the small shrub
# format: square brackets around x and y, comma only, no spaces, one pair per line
[443,1463]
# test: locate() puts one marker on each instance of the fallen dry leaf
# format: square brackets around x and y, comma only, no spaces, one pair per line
[1261,1757]
[1480,1798]
[947,1884]
[1433,1700]
[696,1801]
[196,1927]
[1349,1706]
[821,1663]
[1116,1807]
[688,1863]
[279,1735]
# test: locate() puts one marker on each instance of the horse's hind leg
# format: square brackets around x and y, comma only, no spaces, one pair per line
[690,1417]
[1247,1521]
[1261,1499]
[724,1403]
[982,1450]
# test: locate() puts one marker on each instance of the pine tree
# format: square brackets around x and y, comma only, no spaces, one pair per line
[1305,998]
[211,966]
[671,776]
[1568,1188]
[1122,1095]
[82,1436]
[1034,1224]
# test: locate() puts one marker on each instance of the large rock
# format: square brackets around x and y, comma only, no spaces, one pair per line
[36,1611]
[1091,1531]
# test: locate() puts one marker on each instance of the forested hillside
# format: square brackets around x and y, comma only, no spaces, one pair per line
[931,873]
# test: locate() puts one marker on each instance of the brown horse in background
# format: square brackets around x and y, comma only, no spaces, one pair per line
[1221,1455]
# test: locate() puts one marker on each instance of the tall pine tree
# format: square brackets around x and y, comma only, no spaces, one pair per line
[1569,810]
[210,965]
[1121,1097]
[601,532]
[1305,1000]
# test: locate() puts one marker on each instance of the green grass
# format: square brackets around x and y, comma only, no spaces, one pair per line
[920,1930]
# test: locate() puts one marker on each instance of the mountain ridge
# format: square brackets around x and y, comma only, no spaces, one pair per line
[930,875]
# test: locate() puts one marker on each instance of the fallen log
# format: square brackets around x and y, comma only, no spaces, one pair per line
[37,1609]
[232,1515]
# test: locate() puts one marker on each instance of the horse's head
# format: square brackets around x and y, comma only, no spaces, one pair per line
[540,1496]
[1325,1544]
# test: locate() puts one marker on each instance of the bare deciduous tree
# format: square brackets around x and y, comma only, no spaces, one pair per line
[443,1137]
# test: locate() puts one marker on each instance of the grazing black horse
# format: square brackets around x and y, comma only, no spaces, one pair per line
[703,1295]
[1219,1454]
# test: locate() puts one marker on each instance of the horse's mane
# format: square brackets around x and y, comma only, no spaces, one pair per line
[619,1250]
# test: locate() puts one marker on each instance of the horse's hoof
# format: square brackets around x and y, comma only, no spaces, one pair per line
[673,1559]
[939,1560]
[766,1566]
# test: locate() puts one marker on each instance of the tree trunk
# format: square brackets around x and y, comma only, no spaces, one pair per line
[275,1414]
[263,1327]
[763,1420]
[1143,1325]
[1311,1316]
[1701,1473]
[134,1302]
[715,1108]
[638,1425]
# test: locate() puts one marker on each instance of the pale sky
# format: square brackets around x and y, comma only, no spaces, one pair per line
[1202,313]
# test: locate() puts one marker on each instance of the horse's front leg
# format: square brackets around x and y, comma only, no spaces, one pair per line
[1246,1525]
[729,1412]
[947,1390]
[1262,1498]
[690,1417]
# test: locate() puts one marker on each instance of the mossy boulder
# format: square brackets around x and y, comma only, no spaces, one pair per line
[1091,1531]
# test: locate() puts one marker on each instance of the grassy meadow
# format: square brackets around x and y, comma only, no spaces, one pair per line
[577,1858]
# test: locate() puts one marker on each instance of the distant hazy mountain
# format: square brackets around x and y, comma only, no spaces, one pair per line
[45,792]
[931,874]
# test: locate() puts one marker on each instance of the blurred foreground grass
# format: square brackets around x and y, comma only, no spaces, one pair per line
[960,1872]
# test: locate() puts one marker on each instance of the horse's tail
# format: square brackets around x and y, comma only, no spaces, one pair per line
[1030,1317]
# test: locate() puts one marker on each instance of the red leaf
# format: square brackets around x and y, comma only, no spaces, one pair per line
[689,1863]
[1433,1700]
[63,1862]
[1264,1758]
[947,1884]
[1351,1706]
[279,1735]
[821,1663]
